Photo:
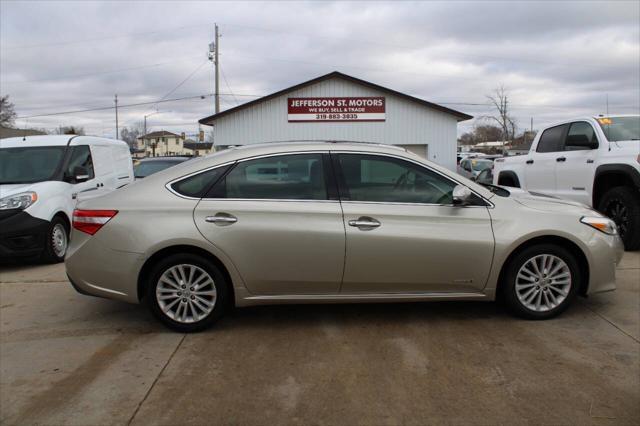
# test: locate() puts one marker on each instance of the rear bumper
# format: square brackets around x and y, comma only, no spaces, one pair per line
[21,235]
[96,270]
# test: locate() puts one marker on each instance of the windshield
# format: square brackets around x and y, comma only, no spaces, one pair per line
[479,165]
[29,164]
[620,128]
[146,168]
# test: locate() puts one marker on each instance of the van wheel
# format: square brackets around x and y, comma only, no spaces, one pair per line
[541,281]
[186,292]
[622,205]
[57,241]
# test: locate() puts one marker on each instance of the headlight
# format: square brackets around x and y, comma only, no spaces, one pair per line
[18,201]
[602,224]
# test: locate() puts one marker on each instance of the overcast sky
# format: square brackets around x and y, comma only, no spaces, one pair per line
[557,59]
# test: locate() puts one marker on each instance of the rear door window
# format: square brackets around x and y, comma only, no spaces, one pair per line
[551,139]
[282,177]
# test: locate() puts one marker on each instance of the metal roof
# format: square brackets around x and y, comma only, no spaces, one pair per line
[335,74]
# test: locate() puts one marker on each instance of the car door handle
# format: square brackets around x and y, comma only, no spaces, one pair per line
[529,161]
[561,159]
[221,219]
[364,222]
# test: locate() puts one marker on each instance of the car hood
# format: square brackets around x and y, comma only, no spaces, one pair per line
[16,188]
[544,202]
[624,147]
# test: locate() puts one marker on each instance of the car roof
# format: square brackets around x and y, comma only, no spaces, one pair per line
[231,155]
[58,140]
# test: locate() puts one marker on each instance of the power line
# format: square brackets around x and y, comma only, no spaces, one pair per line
[185,80]
[229,87]
[208,95]
[101,72]
[397,46]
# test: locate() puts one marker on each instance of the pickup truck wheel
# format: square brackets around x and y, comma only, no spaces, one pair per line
[57,241]
[622,204]
[541,281]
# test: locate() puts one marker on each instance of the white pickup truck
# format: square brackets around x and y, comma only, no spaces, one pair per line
[593,160]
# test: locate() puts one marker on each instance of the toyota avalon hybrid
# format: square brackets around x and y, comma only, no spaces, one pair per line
[322,222]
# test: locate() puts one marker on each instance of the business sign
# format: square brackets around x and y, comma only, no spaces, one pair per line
[336,109]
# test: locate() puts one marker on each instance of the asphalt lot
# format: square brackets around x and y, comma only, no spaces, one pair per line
[71,359]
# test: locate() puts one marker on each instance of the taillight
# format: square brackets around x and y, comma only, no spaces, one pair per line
[90,221]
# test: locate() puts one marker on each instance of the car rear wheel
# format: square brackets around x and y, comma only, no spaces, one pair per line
[186,292]
[541,281]
[57,241]
[622,205]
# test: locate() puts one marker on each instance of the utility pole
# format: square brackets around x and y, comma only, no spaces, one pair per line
[117,129]
[214,49]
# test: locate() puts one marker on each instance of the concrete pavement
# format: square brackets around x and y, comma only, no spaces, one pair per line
[72,359]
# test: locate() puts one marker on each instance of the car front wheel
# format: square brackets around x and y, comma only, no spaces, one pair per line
[541,281]
[57,241]
[186,292]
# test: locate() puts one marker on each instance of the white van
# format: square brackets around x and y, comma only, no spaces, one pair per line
[41,179]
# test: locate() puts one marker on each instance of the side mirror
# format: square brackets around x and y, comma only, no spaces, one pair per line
[80,174]
[461,195]
[581,141]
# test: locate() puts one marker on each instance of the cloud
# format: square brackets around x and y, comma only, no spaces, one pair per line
[558,59]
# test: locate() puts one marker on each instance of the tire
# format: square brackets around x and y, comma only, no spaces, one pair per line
[56,241]
[622,204]
[186,309]
[554,296]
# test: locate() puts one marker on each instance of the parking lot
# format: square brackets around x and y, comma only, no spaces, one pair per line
[67,358]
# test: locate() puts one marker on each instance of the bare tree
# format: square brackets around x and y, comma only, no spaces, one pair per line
[70,130]
[7,112]
[130,134]
[499,100]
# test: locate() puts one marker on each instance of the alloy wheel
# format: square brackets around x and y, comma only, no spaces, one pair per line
[186,293]
[543,282]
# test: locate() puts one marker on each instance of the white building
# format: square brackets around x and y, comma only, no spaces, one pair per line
[162,143]
[340,107]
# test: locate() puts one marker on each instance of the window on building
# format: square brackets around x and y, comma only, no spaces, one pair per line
[385,179]
[286,177]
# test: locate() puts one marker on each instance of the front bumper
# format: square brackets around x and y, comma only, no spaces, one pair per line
[605,254]
[21,235]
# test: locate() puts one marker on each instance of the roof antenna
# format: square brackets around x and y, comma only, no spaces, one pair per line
[24,135]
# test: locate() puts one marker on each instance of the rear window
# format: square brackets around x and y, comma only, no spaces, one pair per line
[197,185]
[146,168]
